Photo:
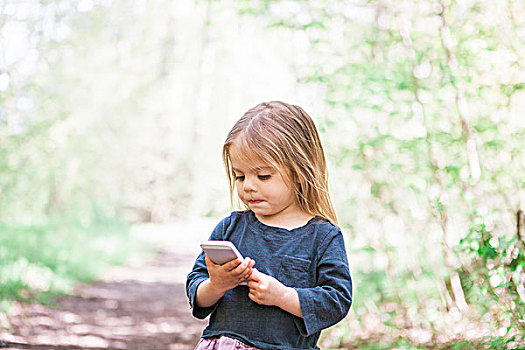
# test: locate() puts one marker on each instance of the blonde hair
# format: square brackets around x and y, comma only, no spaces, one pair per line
[284,136]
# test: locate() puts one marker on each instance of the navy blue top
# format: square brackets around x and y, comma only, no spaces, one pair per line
[311,258]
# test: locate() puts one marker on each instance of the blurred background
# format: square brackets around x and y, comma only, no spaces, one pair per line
[113,114]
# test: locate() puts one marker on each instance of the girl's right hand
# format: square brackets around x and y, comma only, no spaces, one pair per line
[228,276]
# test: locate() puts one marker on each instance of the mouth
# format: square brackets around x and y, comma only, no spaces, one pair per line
[255,201]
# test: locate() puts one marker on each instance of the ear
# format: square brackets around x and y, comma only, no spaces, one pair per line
[299,183]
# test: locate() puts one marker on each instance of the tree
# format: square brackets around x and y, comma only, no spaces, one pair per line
[426,141]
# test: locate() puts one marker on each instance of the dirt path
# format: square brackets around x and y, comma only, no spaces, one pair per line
[141,306]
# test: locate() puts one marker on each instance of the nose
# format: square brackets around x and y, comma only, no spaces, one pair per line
[249,184]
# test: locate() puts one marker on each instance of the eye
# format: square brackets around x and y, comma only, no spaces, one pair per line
[264,177]
[239,178]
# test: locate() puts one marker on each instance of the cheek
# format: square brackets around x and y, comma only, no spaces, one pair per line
[287,194]
[239,190]
[279,193]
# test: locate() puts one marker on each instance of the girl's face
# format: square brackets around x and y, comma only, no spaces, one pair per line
[263,189]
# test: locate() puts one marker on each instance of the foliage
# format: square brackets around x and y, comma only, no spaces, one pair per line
[423,124]
[80,149]
[70,86]
[494,266]
[426,136]
[39,261]
[494,343]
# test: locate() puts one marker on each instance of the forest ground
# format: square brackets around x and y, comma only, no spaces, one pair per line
[139,306]
[142,305]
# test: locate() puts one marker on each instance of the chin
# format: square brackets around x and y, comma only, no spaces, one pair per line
[263,213]
[259,211]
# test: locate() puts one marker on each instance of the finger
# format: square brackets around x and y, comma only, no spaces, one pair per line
[208,261]
[231,265]
[255,276]
[242,268]
[247,262]
[249,266]
[248,274]
[252,284]
[244,278]
[251,263]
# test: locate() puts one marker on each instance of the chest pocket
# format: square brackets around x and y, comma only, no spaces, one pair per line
[294,272]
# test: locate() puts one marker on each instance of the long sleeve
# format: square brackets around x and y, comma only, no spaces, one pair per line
[329,301]
[199,274]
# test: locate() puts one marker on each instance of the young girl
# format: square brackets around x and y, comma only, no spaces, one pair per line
[298,280]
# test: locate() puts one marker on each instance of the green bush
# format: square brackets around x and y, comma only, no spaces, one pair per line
[38,261]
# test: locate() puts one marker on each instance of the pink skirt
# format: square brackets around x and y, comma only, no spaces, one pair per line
[222,343]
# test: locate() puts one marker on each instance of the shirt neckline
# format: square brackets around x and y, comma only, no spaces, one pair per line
[262,225]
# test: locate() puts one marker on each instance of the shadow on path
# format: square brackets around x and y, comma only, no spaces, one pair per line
[142,307]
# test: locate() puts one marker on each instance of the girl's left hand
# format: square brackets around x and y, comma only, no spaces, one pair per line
[264,289]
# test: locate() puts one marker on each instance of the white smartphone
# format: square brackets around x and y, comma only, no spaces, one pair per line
[221,252]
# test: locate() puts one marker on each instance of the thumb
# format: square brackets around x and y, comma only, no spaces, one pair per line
[209,262]
[255,275]
[207,259]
